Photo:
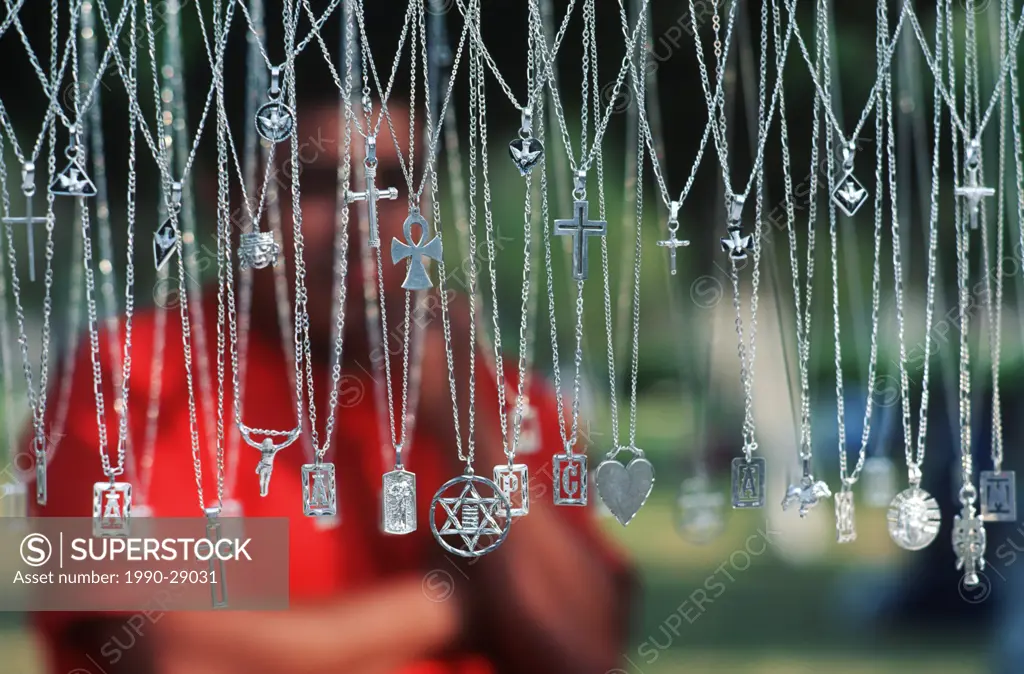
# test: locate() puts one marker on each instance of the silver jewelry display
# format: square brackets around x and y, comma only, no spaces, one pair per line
[275,121]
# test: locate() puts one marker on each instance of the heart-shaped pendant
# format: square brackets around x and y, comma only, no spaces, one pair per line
[526,153]
[624,489]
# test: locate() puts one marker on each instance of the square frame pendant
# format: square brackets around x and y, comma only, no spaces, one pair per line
[570,478]
[319,490]
[111,508]
[398,502]
[998,496]
[514,483]
[748,478]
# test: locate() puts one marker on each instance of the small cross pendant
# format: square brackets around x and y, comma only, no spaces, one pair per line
[672,243]
[28,188]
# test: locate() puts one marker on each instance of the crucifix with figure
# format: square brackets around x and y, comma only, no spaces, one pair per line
[973,191]
[371,195]
[28,188]
[580,227]
[672,243]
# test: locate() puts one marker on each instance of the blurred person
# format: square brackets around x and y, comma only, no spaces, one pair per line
[554,597]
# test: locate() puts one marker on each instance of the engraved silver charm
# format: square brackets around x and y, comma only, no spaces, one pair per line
[998,496]
[371,195]
[700,511]
[879,480]
[416,277]
[672,243]
[319,490]
[73,181]
[969,541]
[165,239]
[849,194]
[41,492]
[218,581]
[28,188]
[569,478]
[398,514]
[973,192]
[846,531]
[914,519]
[748,479]
[526,151]
[275,121]
[481,522]
[257,250]
[624,489]
[111,508]
[580,227]
[513,481]
[807,493]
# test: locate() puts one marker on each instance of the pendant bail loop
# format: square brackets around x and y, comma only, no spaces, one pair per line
[28,179]
[526,127]
[968,494]
[735,210]
[398,458]
[849,151]
[673,216]
[914,475]
[580,190]
[371,152]
[972,158]
[175,204]
[275,82]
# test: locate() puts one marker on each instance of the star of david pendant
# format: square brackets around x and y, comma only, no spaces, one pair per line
[624,489]
[969,540]
[14,500]
[998,496]
[480,522]
[319,493]
[879,479]
[845,530]
[398,511]
[111,508]
[914,519]
[569,479]
[73,181]
[513,481]
[257,250]
[748,479]
[700,516]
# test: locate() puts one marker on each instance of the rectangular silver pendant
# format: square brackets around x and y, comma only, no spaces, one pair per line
[569,479]
[41,478]
[845,531]
[217,580]
[398,502]
[748,479]
[998,496]
[111,508]
[513,481]
[319,492]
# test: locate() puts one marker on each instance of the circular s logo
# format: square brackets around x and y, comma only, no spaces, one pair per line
[36,550]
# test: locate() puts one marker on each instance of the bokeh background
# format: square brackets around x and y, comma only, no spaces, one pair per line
[773,592]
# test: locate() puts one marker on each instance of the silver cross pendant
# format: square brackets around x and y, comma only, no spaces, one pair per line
[580,227]
[973,192]
[371,195]
[28,188]
[672,243]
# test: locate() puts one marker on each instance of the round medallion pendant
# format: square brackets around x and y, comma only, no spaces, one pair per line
[475,516]
[914,519]
[275,121]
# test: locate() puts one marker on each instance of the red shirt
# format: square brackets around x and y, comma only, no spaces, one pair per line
[323,562]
